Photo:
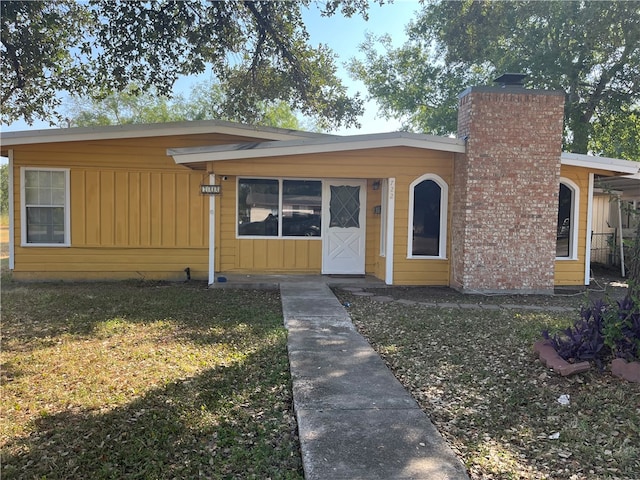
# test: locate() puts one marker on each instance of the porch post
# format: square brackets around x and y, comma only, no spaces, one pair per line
[391,209]
[621,237]
[11,213]
[212,232]
[587,253]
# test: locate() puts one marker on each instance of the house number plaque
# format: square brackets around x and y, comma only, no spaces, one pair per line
[210,189]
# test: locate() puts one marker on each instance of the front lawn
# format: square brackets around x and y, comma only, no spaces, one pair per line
[145,380]
[474,372]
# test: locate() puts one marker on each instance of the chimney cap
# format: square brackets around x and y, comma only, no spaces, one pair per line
[511,79]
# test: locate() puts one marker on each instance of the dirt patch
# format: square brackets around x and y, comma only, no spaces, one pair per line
[605,284]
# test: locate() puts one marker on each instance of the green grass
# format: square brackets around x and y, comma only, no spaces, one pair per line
[145,380]
[475,374]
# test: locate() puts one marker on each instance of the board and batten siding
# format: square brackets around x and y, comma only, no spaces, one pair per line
[134,212]
[304,255]
[572,272]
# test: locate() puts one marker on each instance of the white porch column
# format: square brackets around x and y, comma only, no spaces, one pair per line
[391,212]
[212,233]
[587,253]
[11,213]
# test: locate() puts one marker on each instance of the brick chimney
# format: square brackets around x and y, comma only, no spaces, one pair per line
[505,198]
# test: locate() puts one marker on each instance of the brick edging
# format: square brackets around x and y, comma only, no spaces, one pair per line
[551,359]
[629,371]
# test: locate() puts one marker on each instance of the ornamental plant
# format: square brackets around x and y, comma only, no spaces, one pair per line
[604,331]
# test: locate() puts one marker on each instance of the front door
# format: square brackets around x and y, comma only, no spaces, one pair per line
[343,226]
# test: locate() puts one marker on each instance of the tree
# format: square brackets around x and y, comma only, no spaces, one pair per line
[259,51]
[126,107]
[4,189]
[590,50]
[617,134]
[203,103]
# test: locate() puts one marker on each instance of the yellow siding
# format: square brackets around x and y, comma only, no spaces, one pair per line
[571,272]
[244,255]
[305,256]
[134,213]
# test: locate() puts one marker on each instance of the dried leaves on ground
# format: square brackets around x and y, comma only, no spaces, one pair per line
[145,380]
[474,372]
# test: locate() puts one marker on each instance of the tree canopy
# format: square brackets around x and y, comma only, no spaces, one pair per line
[204,102]
[259,51]
[590,50]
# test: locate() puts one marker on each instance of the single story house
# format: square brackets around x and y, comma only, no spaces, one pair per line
[500,208]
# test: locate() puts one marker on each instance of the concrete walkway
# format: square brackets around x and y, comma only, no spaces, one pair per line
[355,419]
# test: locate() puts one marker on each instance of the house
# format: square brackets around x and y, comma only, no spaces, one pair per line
[498,209]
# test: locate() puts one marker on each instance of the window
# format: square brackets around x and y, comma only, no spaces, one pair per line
[566,232]
[45,207]
[344,206]
[428,217]
[279,208]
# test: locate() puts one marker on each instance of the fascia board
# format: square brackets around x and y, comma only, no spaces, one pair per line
[323,145]
[601,163]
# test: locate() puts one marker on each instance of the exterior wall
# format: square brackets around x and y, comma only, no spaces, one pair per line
[134,213]
[506,189]
[572,272]
[305,255]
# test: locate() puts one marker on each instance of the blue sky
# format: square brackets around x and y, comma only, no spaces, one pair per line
[343,36]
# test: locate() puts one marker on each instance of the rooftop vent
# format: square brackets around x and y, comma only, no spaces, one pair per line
[511,79]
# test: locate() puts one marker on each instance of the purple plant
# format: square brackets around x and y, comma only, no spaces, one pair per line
[602,331]
[584,341]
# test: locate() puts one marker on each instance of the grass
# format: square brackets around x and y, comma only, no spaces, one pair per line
[145,380]
[476,376]
[159,380]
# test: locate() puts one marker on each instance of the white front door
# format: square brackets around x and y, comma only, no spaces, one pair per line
[343,226]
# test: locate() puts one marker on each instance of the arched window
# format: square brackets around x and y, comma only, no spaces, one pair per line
[567,230]
[428,198]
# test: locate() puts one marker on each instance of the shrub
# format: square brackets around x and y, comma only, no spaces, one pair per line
[604,331]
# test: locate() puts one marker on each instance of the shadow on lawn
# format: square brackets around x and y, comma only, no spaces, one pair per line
[36,315]
[228,422]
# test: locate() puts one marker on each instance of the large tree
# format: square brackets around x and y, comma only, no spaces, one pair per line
[258,50]
[204,102]
[590,50]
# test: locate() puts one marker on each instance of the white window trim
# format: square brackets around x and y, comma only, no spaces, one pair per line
[280,195]
[23,208]
[575,211]
[444,203]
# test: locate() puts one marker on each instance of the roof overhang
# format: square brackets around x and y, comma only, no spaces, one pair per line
[57,135]
[614,165]
[324,144]
[627,186]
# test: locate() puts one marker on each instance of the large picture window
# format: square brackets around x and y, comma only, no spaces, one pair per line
[428,217]
[45,207]
[279,207]
[566,232]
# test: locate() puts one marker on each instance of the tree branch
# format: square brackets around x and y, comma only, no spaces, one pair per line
[266,27]
[17,67]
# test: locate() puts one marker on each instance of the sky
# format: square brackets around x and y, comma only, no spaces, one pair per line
[343,36]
